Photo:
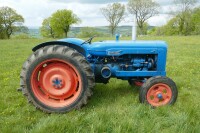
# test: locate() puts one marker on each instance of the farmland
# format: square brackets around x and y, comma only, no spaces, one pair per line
[113,107]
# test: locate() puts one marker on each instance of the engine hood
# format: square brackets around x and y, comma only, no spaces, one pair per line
[117,48]
[109,48]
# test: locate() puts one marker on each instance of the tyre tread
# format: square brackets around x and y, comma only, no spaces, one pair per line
[68,52]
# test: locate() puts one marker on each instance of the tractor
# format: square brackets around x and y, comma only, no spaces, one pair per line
[60,75]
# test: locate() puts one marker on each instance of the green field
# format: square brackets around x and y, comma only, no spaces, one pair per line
[113,107]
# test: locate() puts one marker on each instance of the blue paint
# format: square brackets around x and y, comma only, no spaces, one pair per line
[117,37]
[126,59]
[106,72]
[57,83]
[160,96]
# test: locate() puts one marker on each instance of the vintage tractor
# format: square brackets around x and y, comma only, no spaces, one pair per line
[59,76]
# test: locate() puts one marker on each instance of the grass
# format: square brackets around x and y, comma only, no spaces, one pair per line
[113,107]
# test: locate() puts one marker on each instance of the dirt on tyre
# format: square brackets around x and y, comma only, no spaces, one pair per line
[57,79]
[158,91]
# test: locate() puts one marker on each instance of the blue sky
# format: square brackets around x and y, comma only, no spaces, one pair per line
[34,11]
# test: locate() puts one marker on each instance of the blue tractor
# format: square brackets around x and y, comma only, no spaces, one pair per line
[59,76]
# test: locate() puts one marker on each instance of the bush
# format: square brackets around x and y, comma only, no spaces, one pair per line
[2,35]
[89,32]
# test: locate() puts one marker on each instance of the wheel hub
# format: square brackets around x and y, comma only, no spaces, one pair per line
[58,80]
[57,83]
[160,96]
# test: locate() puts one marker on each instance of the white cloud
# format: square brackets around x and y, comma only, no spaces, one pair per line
[34,11]
[91,1]
[159,20]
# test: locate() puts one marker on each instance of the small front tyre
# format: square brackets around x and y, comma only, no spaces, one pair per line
[158,91]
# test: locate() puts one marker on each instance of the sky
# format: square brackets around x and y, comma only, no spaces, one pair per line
[35,11]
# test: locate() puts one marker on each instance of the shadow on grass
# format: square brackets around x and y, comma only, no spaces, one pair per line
[113,92]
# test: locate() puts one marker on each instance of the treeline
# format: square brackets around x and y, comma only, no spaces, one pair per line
[186,23]
[114,13]
[185,20]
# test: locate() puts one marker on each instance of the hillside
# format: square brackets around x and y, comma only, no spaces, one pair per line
[74,31]
[35,33]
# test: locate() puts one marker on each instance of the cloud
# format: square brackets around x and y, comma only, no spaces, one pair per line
[34,11]
[90,1]
[164,2]
[161,2]
[159,20]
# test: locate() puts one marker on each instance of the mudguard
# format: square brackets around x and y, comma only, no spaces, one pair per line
[70,42]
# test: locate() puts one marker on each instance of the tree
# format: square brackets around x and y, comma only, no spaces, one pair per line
[190,25]
[46,29]
[144,29]
[114,14]
[2,32]
[61,21]
[10,20]
[183,13]
[196,20]
[143,10]
[184,5]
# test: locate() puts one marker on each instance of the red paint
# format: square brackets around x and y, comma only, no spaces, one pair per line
[42,83]
[156,89]
[138,83]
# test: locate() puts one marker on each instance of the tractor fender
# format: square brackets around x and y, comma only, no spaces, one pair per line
[72,43]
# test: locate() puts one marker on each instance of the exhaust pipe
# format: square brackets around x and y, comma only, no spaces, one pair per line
[134,28]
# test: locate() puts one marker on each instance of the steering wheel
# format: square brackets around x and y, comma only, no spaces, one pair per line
[89,40]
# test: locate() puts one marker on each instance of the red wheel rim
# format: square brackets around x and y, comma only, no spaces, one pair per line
[56,83]
[159,94]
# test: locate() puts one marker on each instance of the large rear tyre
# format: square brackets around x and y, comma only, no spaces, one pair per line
[158,91]
[57,79]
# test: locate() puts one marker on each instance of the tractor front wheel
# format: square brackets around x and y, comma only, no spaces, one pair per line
[158,91]
[57,79]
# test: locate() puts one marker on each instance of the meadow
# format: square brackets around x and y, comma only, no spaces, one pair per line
[114,107]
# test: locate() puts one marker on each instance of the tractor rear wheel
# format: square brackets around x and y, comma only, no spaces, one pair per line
[57,79]
[158,91]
